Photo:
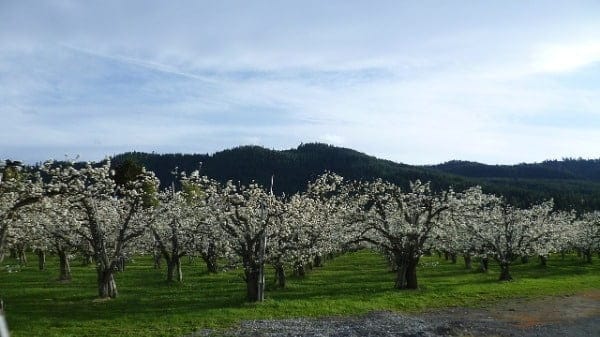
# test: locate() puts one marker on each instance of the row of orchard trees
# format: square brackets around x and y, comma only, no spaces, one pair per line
[67,210]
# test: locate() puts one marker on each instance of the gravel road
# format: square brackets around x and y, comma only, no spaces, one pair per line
[577,315]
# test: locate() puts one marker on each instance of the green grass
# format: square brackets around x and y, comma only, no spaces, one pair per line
[37,305]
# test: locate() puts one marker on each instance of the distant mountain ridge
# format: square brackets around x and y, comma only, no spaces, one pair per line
[573,183]
[577,169]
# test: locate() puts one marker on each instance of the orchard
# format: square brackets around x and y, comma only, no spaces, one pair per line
[84,213]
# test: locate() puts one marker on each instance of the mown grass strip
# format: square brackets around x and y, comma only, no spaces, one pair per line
[37,305]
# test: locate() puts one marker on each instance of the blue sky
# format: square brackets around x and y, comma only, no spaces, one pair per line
[415,82]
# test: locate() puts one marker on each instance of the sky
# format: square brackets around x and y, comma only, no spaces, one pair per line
[418,82]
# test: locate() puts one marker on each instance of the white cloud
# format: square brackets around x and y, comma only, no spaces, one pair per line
[418,83]
[332,139]
[561,58]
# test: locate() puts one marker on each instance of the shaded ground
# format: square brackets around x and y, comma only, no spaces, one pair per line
[576,315]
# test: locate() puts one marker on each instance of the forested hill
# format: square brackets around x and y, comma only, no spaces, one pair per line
[577,169]
[292,168]
[572,183]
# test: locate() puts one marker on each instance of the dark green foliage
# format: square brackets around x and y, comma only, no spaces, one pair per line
[566,169]
[126,171]
[292,168]
[572,183]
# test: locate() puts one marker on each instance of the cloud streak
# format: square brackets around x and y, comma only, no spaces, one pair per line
[499,82]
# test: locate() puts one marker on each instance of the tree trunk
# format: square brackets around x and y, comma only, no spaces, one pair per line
[107,287]
[280,279]
[121,263]
[587,254]
[157,260]
[453,258]
[524,259]
[504,272]
[22,256]
[318,261]
[406,275]
[211,265]
[299,270]
[484,266]
[87,254]
[41,254]
[86,259]
[210,258]
[411,274]
[254,270]
[543,260]
[252,286]
[467,258]
[3,235]
[65,268]
[401,276]
[446,256]
[174,269]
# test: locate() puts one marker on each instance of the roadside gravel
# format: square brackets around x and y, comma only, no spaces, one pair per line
[577,315]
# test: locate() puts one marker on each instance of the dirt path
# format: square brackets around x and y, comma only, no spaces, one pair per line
[549,310]
[561,316]
[576,315]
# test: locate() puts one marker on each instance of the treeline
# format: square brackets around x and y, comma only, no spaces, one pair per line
[567,168]
[572,183]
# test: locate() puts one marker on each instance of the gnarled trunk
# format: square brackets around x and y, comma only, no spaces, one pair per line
[411,274]
[252,285]
[406,272]
[174,269]
[504,272]
[107,287]
[468,263]
[401,276]
[255,283]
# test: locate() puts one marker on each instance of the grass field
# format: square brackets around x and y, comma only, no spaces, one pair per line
[37,305]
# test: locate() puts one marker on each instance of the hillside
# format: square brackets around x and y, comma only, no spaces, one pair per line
[572,183]
[292,168]
[572,169]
